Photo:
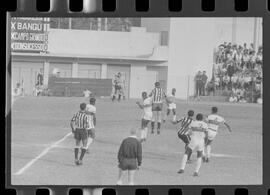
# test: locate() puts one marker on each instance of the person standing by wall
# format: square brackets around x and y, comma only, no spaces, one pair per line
[129,157]
[40,78]
[198,84]
[204,81]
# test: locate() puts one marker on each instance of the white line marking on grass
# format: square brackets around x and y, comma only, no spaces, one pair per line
[44,152]
[24,144]
[225,155]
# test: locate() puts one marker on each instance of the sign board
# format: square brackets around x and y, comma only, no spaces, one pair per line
[29,34]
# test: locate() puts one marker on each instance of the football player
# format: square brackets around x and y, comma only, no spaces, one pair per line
[199,130]
[213,120]
[147,114]
[171,106]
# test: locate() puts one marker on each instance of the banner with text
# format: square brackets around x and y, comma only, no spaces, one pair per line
[29,34]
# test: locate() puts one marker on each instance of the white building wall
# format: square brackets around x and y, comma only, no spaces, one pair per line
[190,49]
[102,43]
[137,80]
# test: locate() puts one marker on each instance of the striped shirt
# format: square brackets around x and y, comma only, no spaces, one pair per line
[185,122]
[80,119]
[158,95]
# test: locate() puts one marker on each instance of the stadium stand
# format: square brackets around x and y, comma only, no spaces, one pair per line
[237,72]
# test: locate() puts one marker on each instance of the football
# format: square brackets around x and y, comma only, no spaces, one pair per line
[169,100]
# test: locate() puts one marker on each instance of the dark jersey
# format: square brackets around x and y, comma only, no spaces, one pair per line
[185,122]
[80,119]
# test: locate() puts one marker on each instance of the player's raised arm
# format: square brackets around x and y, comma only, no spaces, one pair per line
[228,126]
[164,94]
[177,121]
[151,94]
[140,105]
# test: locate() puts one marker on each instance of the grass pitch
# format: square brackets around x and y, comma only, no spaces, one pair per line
[39,122]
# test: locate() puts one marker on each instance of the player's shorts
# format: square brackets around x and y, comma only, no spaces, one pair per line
[147,116]
[211,134]
[144,123]
[91,133]
[128,164]
[185,138]
[80,134]
[207,141]
[157,106]
[118,87]
[172,106]
[196,143]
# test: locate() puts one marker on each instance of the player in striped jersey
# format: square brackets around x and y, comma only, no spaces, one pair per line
[79,124]
[91,112]
[158,96]
[183,132]
[198,129]
[213,120]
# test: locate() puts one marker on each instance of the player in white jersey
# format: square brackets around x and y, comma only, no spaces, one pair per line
[147,114]
[171,106]
[199,130]
[91,113]
[213,120]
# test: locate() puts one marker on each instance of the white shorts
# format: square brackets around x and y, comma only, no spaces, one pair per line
[211,134]
[148,116]
[172,106]
[196,143]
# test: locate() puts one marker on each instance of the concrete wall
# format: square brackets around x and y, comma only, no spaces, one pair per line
[103,43]
[156,24]
[243,32]
[191,49]
[141,79]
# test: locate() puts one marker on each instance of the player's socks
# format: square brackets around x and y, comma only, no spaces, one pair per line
[142,134]
[203,154]
[119,97]
[165,118]
[174,117]
[158,127]
[89,141]
[145,133]
[76,151]
[184,162]
[189,155]
[208,151]
[152,127]
[198,165]
[195,174]
[181,171]
[82,153]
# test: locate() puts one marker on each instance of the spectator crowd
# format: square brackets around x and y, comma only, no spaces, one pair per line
[237,71]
